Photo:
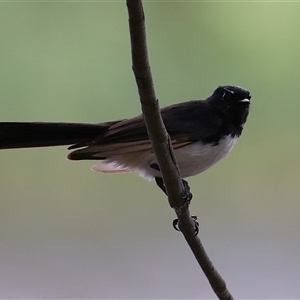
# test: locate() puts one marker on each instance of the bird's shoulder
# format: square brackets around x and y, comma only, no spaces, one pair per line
[195,120]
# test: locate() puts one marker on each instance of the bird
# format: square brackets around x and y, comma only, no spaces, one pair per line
[202,132]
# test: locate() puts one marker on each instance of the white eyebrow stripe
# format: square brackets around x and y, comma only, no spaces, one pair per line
[230,91]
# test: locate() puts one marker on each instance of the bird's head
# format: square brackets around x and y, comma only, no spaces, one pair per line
[233,102]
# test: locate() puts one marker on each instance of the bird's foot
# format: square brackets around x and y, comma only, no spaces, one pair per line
[196,223]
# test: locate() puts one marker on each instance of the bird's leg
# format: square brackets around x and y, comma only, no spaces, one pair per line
[187,197]
[160,183]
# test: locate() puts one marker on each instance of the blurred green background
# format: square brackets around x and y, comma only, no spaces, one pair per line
[67,232]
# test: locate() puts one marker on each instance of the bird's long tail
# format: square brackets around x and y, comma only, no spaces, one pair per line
[42,134]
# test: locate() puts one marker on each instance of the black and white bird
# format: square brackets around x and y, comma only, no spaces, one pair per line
[202,132]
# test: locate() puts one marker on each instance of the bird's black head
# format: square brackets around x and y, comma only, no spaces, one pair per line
[232,102]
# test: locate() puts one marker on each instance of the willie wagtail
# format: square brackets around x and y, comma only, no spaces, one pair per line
[202,133]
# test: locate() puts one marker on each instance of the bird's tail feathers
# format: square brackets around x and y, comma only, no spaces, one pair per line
[43,134]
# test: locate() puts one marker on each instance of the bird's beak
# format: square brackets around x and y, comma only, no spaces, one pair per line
[245,100]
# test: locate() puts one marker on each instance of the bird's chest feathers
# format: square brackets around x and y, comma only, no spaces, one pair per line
[198,157]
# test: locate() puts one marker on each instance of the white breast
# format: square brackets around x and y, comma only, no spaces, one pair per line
[198,157]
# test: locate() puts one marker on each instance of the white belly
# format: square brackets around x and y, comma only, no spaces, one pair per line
[198,157]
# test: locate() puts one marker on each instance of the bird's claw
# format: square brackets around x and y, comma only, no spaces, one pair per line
[187,196]
[176,222]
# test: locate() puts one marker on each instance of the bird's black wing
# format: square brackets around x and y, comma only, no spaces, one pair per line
[185,122]
[194,120]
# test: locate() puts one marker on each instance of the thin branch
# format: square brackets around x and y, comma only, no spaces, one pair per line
[150,107]
[162,146]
